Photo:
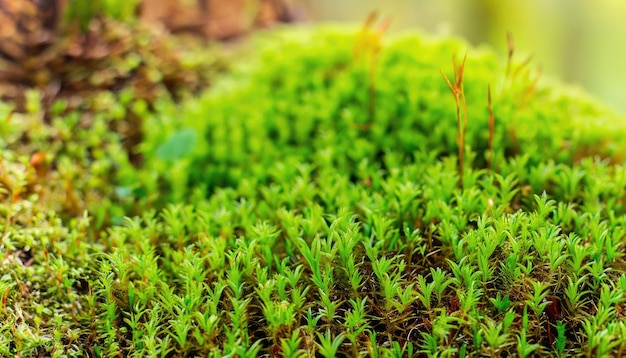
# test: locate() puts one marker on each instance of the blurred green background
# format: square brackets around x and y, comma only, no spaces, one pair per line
[581,42]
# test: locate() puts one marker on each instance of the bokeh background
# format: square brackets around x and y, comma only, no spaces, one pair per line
[581,42]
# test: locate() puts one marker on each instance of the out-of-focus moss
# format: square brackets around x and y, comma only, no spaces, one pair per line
[305,98]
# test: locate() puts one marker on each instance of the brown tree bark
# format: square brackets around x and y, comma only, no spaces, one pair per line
[218,19]
[26,26]
[34,54]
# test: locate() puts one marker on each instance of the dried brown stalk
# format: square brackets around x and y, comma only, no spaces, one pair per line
[459,100]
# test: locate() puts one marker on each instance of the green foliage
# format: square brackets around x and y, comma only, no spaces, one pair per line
[272,222]
[297,106]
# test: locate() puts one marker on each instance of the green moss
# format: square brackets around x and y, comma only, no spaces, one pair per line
[306,100]
[295,225]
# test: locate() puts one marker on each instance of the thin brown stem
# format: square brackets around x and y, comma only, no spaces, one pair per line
[459,100]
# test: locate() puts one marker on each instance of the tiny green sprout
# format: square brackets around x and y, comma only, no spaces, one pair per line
[355,320]
[266,235]
[424,292]
[574,294]
[483,262]
[440,282]
[290,346]
[398,351]
[181,327]
[328,306]
[599,339]
[405,297]
[561,340]
[599,273]
[556,253]
[524,348]
[429,345]
[470,297]
[464,273]
[537,300]
[494,336]
[501,303]
[609,296]
[578,253]
[545,206]
[354,274]
[613,245]
[312,321]
[328,345]
[372,346]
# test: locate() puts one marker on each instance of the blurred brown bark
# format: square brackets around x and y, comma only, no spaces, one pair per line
[218,19]
[26,26]
[33,52]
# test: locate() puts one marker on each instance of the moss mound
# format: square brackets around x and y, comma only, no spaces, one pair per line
[311,204]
